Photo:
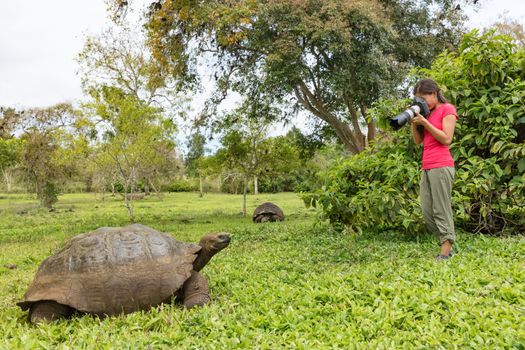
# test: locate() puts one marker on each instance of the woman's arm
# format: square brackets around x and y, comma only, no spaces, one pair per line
[417,134]
[442,136]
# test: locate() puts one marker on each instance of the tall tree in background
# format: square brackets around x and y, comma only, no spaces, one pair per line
[10,157]
[195,145]
[119,57]
[9,120]
[10,147]
[133,104]
[42,158]
[331,58]
[242,152]
[512,27]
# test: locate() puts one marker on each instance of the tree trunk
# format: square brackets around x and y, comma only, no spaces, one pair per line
[245,191]
[255,185]
[157,192]
[8,178]
[353,139]
[128,202]
[129,183]
[201,191]
[89,184]
[146,187]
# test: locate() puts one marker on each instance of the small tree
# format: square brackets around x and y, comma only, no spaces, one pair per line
[195,153]
[135,140]
[10,157]
[236,159]
[44,131]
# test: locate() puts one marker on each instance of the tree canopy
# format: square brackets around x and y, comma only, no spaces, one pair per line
[330,58]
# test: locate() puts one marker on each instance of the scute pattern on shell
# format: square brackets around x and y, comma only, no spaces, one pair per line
[267,209]
[113,270]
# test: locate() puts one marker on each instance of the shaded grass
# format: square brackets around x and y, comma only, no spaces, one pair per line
[289,285]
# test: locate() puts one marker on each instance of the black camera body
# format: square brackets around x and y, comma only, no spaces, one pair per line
[419,105]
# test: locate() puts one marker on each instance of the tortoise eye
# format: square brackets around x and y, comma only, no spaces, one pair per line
[224,237]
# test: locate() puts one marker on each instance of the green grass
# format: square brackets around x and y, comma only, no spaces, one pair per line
[291,285]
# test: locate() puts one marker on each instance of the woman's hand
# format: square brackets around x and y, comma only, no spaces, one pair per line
[419,120]
[442,136]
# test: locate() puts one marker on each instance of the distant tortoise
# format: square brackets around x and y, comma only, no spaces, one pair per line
[267,212]
[115,270]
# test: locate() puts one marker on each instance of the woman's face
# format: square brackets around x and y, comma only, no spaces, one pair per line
[431,99]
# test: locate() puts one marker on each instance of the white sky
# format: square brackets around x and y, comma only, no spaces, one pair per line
[39,40]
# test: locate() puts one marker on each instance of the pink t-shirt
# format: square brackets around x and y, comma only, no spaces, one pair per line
[436,154]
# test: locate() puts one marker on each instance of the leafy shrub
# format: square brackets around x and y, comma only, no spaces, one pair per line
[48,194]
[183,185]
[485,79]
[119,187]
[374,189]
[282,182]
[486,82]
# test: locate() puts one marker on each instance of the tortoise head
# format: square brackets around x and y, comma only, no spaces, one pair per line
[211,244]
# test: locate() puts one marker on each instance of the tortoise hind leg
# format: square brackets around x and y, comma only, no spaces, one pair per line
[196,291]
[48,311]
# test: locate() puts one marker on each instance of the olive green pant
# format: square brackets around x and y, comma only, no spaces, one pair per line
[436,202]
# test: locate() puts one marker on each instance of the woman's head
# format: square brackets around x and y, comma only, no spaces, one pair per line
[430,91]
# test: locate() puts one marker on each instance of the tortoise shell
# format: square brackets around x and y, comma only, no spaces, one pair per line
[267,212]
[114,270]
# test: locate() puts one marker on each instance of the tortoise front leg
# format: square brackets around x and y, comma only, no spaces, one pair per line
[196,291]
[48,311]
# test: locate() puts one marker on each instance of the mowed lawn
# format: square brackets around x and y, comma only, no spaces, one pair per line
[288,285]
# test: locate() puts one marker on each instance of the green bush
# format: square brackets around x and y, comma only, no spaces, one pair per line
[485,79]
[48,194]
[183,185]
[282,182]
[373,189]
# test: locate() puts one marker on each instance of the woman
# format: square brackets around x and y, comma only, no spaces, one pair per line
[435,133]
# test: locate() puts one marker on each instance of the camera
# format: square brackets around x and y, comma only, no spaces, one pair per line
[419,105]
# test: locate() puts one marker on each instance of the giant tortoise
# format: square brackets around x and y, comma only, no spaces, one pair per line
[267,212]
[115,270]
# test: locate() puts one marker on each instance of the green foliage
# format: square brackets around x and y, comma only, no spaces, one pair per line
[49,194]
[329,58]
[196,149]
[286,182]
[278,285]
[183,185]
[486,82]
[375,189]
[136,140]
[45,158]
[485,79]
[10,151]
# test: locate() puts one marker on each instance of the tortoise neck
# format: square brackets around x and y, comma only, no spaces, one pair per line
[202,259]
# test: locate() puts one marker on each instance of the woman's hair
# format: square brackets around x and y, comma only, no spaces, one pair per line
[428,86]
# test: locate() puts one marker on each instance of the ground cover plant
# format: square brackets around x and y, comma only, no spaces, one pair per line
[294,284]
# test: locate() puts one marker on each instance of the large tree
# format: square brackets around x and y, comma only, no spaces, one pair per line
[331,58]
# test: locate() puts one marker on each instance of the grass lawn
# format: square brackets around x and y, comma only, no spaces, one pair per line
[289,285]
